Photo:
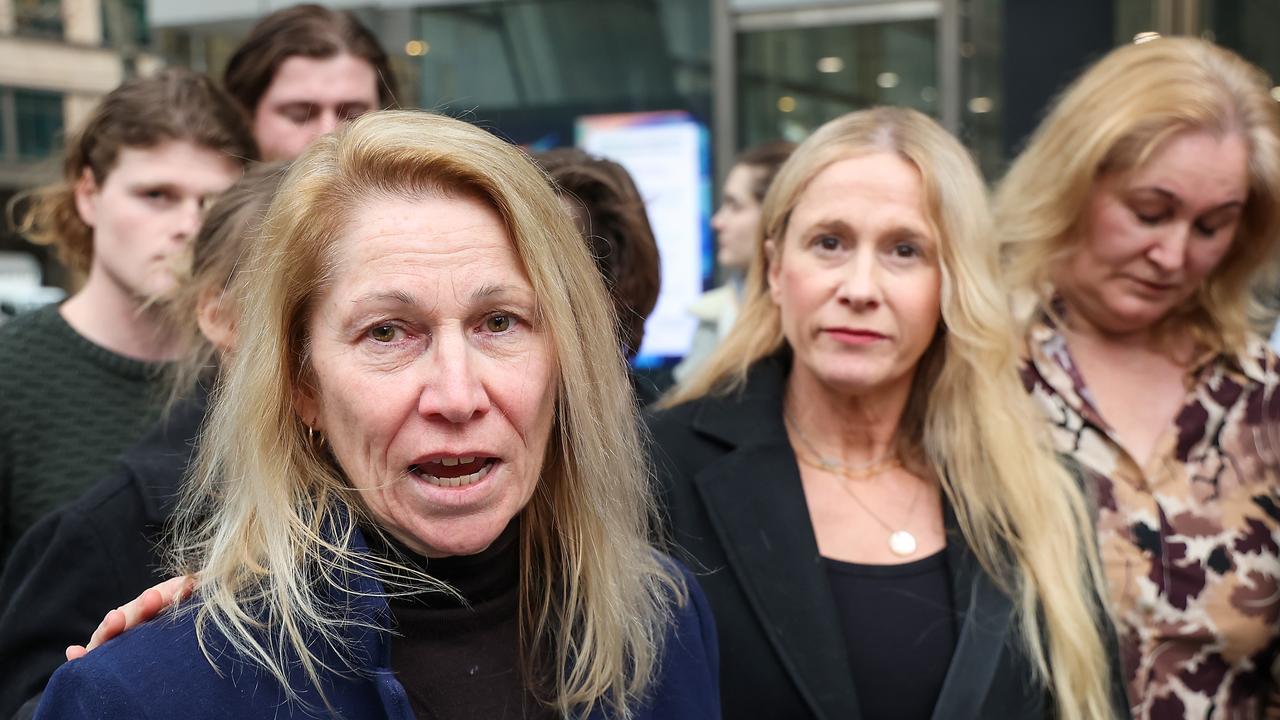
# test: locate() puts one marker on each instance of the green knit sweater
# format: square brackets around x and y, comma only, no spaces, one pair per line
[68,407]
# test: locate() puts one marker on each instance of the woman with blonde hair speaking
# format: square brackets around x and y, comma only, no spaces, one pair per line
[886,531]
[419,491]
[1137,225]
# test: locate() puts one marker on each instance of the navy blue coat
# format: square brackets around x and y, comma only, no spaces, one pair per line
[159,671]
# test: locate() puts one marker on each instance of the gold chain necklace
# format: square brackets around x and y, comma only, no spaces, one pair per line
[901,542]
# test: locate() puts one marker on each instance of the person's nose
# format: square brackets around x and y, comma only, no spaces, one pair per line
[860,284]
[187,222]
[1169,252]
[327,122]
[717,220]
[454,389]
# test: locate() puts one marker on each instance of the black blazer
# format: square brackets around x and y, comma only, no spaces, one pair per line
[735,510]
[90,556]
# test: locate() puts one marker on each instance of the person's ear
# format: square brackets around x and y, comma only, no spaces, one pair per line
[216,319]
[85,193]
[306,402]
[772,267]
[307,407]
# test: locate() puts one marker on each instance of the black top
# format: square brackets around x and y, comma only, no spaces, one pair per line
[730,492]
[459,660]
[90,556]
[900,630]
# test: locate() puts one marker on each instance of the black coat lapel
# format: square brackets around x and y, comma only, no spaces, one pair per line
[756,504]
[986,616]
[757,507]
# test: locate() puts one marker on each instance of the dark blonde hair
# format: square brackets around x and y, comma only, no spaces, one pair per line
[175,104]
[215,259]
[308,30]
[618,232]
[595,600]
[1112,119]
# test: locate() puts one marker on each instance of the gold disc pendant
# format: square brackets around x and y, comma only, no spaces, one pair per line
[902,543]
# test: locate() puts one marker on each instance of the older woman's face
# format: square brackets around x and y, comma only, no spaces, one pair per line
[1153,235]
[856,277]
[433,382]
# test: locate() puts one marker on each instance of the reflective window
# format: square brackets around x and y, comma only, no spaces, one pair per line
[37,18]
[792,80]
[1246,26]
[124,23]
[1133,17]
[982,86]
[30,124]
[526,63]
[38,124]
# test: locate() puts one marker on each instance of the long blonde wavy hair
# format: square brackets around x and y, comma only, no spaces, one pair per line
[1112,119]
[268,516]
[967,417]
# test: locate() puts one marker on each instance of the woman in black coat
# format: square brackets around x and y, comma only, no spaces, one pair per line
[856,474]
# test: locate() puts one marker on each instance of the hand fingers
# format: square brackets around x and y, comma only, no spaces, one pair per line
[75,652]
[139,610]
[175,590]
[112,625]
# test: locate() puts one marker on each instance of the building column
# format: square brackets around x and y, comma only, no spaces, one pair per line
[6,17]
[82,21]
[75,111]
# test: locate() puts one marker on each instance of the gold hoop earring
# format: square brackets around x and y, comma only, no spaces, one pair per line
[312,436]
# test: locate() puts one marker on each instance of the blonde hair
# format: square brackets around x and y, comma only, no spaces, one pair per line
[595,599]
[1112,119]
[967,419]
[213,263]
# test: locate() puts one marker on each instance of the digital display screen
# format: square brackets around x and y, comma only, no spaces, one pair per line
[668,156]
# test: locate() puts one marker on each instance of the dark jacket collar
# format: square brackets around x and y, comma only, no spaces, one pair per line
[158,463]
[756,503]
[751,415]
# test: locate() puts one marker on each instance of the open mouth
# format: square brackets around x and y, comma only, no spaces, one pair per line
[454,472]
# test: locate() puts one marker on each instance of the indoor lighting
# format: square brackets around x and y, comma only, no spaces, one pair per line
[1147,36]
[830,64]
[887,80]
[416,48]
[786,103]
[980,105]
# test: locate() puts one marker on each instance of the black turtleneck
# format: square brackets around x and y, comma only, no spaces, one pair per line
[461,661]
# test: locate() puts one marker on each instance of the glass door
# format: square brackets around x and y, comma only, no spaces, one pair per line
[793,79]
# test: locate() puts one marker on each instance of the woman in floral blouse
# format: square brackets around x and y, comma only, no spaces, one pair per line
[1136,226]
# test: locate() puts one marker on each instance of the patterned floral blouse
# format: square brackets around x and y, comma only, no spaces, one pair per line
[1191,542]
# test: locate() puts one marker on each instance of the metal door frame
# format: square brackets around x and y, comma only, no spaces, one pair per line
[727,21]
